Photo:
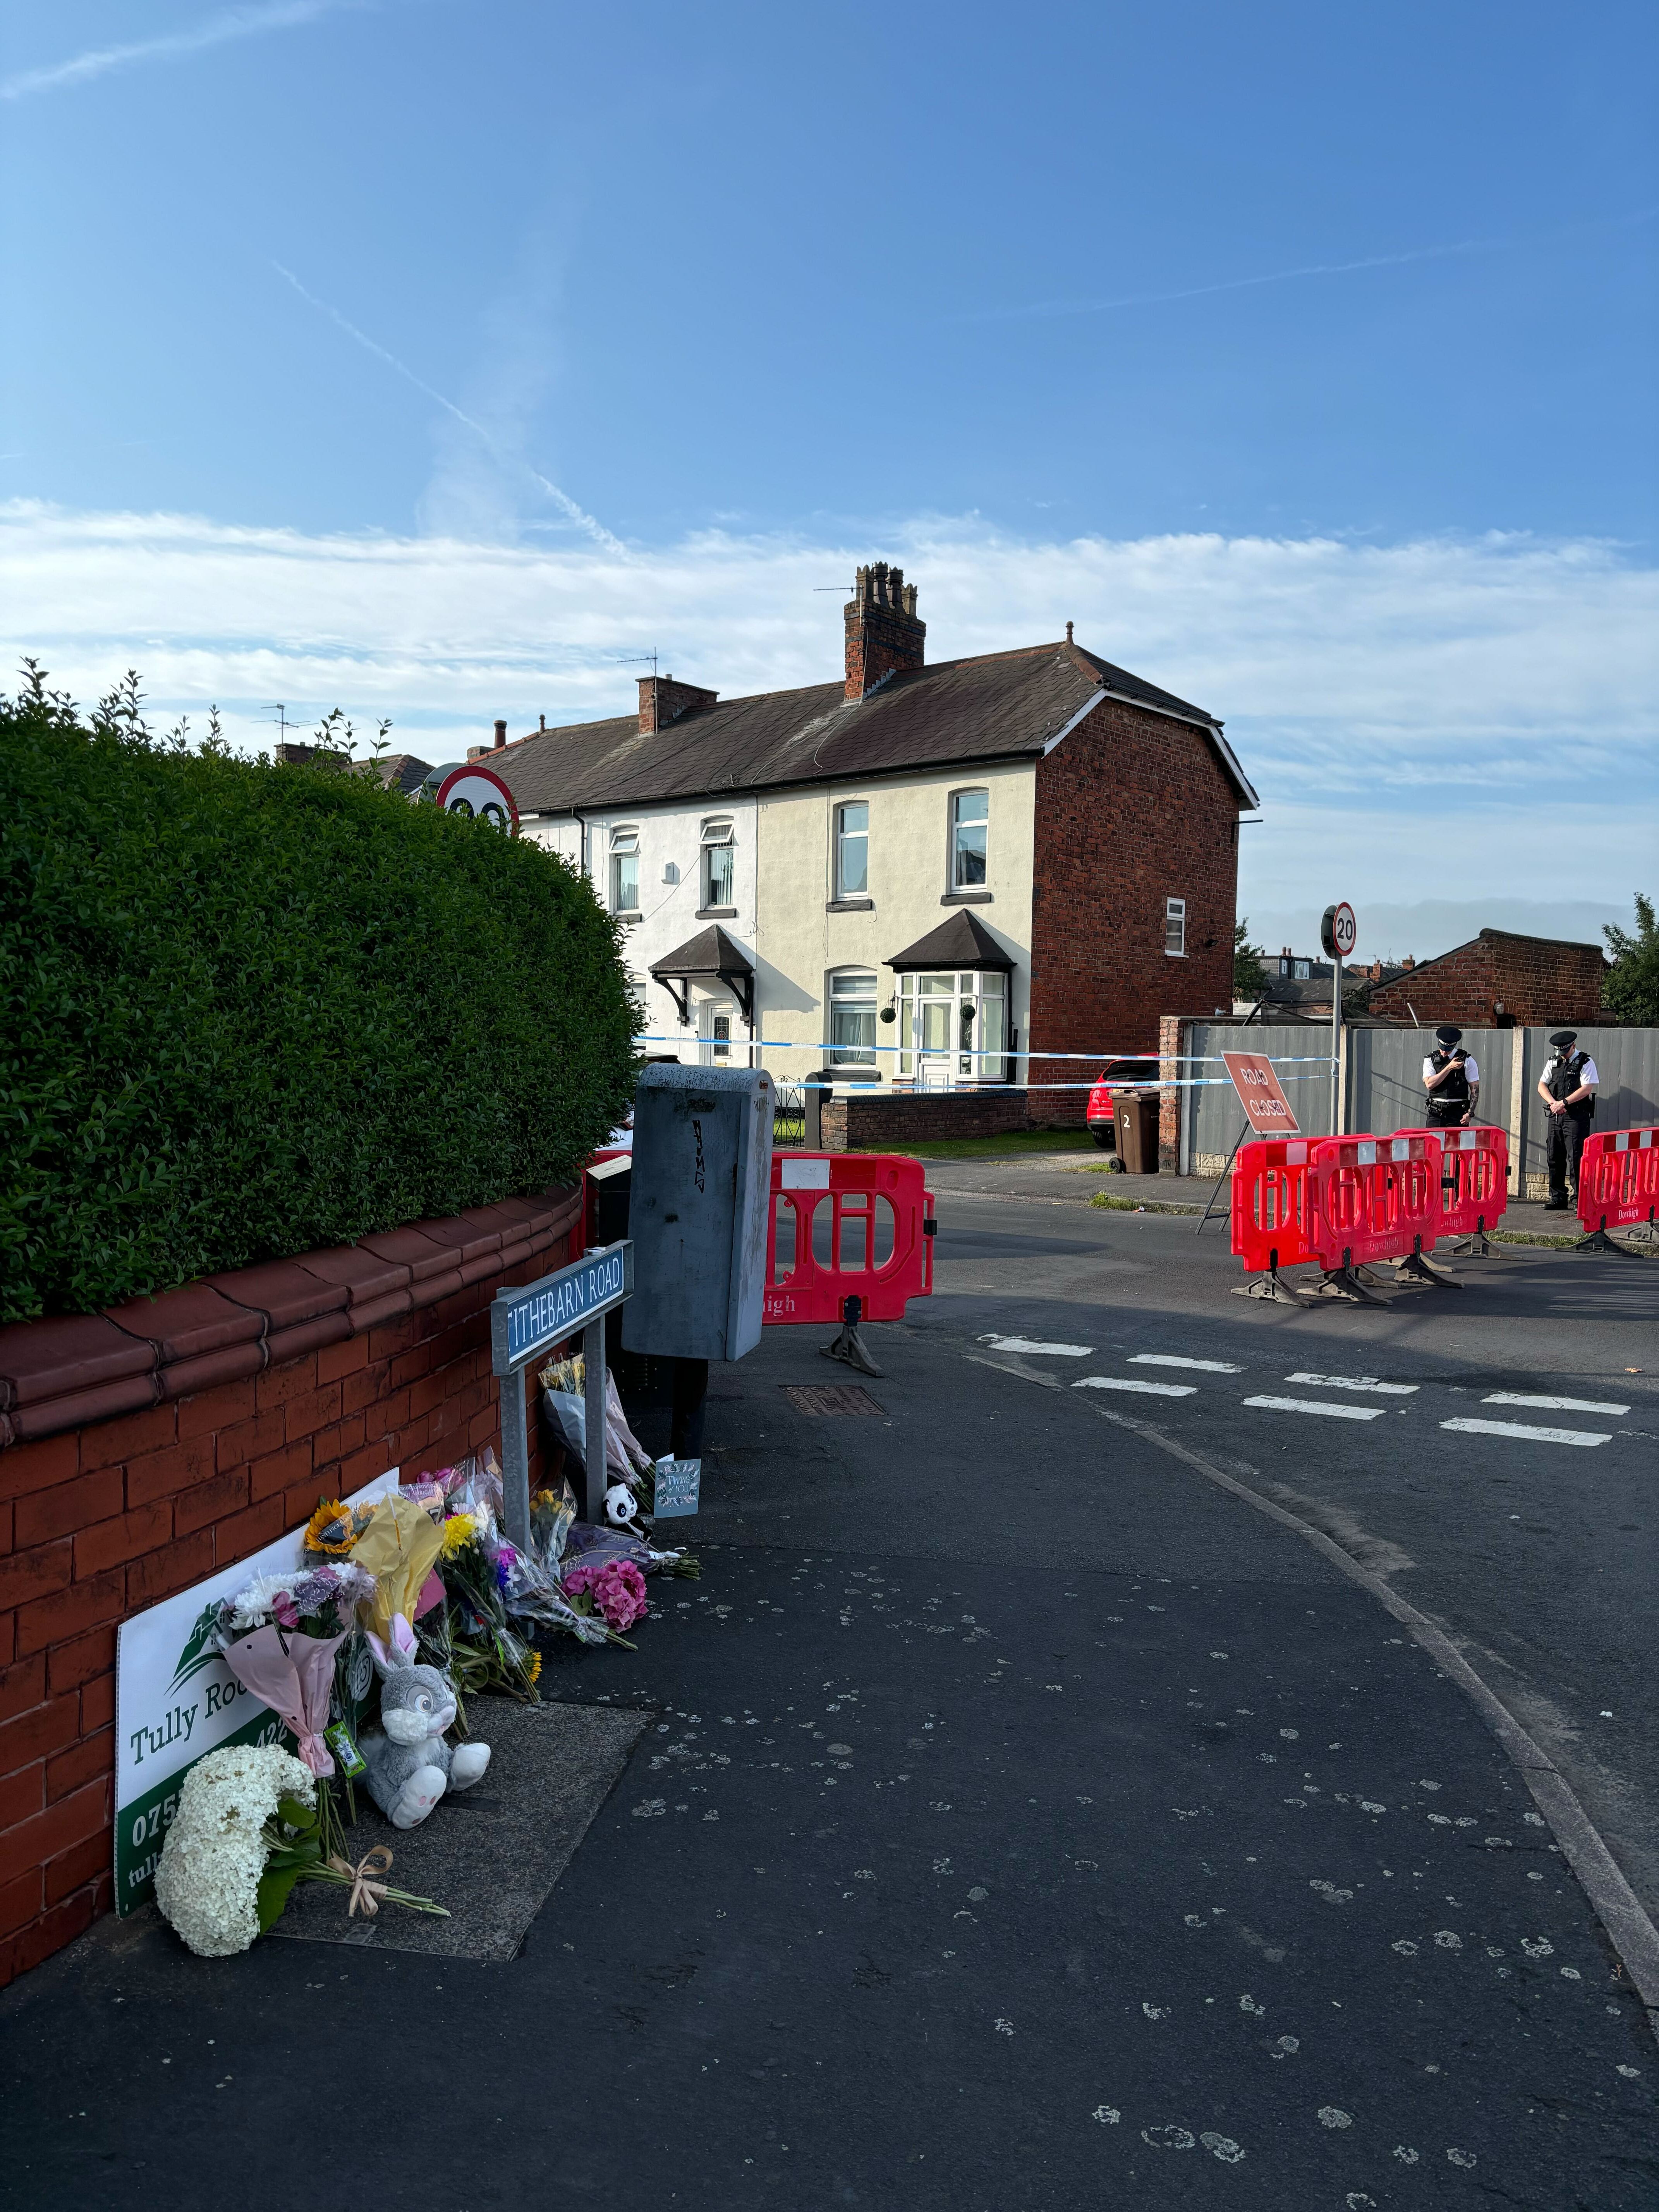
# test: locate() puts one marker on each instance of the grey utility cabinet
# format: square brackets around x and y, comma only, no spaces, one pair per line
[701,1187]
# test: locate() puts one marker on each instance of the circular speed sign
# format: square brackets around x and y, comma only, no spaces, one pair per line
[477,790]
[1339,932]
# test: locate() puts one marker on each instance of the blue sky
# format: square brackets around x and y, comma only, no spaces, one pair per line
[1303,357]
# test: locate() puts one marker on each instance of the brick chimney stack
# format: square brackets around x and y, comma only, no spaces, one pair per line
[882,633]
[662,700]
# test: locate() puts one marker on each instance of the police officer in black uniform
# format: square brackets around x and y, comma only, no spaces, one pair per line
[1452,1080]
[1567,1087]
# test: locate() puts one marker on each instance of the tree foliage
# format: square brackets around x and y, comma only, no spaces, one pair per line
[249,1009]
[1631,992]
[1249,974]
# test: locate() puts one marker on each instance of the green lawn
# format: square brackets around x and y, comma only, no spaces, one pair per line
[1016,1144]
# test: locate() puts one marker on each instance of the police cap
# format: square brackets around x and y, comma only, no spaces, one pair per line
[1565,1036]
[1448,1035]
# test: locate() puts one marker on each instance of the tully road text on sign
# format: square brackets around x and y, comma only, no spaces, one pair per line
[524,1322]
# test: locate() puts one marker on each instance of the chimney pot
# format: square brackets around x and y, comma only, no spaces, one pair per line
[501,734]
[544,721]
[1068,633]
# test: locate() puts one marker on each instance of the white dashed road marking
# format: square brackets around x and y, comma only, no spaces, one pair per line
[1530,1436]
[1355,1383]
[1025,1343]
[1313,1405]
[1173,1359]
[1550,1405]
[1131,1383]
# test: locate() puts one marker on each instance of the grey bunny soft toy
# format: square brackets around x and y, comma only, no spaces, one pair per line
[409,1765]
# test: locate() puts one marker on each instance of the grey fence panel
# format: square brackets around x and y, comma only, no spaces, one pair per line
[1385,1082]
[1627,1062]
[1212,1116]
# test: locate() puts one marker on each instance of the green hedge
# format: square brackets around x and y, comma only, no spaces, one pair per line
[247,1010]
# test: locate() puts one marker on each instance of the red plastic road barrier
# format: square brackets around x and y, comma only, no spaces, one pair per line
[863,1228]
[1475,1178]
[1373,1198]
[1619,1179]
[1269,1205]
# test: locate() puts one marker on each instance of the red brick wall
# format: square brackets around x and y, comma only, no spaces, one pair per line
[882,1120]
[1132,808]
[98,1521]
[1539,982]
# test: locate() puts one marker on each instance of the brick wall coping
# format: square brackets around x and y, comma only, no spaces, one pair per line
[66,1370]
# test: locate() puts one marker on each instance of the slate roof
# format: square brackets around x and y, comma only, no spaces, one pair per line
[996,706]
[962,940]
[401,772]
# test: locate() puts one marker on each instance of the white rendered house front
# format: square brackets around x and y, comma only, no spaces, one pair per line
[668,871]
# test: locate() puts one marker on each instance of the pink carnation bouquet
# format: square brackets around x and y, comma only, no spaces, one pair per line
[617,1590]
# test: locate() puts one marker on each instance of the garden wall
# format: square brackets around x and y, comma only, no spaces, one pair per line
[142,1448]
[873,1119]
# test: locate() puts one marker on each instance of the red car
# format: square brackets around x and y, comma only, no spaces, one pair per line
[1117,1077]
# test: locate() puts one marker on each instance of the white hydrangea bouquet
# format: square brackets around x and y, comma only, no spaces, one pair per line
[245,1832]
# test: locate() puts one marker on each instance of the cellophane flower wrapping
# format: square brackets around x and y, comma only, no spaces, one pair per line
[617,1589]
[470,1636]
[214,1854]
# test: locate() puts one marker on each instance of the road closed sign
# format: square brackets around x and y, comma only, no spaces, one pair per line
[1266,1107]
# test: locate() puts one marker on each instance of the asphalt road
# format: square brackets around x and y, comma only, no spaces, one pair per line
[1021,1820]
[1536,1552]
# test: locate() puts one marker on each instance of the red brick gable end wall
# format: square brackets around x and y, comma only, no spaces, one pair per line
[1534,982]
[1132,807]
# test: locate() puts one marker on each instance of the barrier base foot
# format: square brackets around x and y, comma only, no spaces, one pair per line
[1414,1268]
[850,1346]
[1479,1247]
[1599,1240]
[1273,1287]
[1344,1284]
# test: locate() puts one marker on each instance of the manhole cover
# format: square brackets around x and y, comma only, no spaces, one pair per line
[830,1398]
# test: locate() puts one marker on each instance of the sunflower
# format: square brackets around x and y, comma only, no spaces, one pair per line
[330,1527]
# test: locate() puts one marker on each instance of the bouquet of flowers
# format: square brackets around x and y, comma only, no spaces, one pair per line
[245,1832]
[469,1636]
[279,1636]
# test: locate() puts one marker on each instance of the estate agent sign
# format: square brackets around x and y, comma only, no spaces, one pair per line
[176,1700]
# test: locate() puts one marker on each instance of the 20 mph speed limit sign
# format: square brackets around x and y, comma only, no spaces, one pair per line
[1339,932]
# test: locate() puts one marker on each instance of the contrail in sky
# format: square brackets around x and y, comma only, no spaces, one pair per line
[1233,283]
[1310,269]
[579,515]
[212,31]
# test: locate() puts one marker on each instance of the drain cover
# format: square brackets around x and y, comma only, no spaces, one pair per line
[831,1398]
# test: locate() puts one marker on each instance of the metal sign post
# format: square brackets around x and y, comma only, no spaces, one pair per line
[1339,932]
[526,1322]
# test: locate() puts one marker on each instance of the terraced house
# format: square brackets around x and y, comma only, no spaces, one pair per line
[916,875]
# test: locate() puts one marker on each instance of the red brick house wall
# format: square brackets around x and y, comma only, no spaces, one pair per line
[883,1121]
[1132,807]
[1532,982]
[102,1515]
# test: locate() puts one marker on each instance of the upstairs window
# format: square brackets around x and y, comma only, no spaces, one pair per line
[1175,928]
[720,869]
[852,849]
[624,872]
[970,821]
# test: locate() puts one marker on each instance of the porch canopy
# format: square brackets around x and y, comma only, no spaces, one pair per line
[710,956]
[961,942]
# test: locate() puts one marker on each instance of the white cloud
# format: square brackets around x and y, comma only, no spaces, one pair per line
[1437,718]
